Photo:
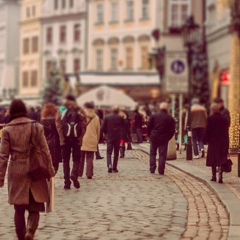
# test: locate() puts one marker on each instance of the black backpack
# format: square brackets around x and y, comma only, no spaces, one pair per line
[71,126]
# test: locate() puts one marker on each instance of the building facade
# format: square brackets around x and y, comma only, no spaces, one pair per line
[63,35]
[30,49]
[9,48]
[120,39]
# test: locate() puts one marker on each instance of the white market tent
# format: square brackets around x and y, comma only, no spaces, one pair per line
[105,97]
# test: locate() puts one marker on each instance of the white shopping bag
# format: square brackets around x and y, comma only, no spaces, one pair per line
[50,204]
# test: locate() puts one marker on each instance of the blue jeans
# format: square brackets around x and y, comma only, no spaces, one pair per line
[162,153]
[197,140]
[113,145]
[139,135]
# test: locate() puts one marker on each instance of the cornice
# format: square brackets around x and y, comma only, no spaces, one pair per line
[215,35]
[64,17]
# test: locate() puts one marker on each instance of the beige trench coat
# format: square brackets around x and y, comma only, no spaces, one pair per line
[14,147]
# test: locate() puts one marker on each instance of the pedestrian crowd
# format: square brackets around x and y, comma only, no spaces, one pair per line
[73,132]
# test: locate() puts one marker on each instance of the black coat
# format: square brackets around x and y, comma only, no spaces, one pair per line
[218,139]
[112,126]
[161,127]
[52,137]
[126,132]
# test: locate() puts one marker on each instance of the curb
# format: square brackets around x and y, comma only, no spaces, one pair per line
[223,193]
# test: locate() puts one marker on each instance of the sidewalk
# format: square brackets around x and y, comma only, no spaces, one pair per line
[228,192]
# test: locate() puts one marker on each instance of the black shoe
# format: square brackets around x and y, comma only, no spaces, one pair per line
[220,180]
[89,177]
[76,183]
[115,170]
[152,171]
[66,186]
[203,153]
[109,170]
[98,158]
[161,172]
[213,179]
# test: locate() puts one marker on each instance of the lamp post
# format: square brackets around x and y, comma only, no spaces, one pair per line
[235,27]
[190,33]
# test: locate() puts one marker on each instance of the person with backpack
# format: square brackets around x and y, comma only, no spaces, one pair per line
[71,125]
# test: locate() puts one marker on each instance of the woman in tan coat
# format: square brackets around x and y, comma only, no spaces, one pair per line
[90,140]
[23,193]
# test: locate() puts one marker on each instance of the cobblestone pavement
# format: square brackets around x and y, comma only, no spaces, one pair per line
[131,204]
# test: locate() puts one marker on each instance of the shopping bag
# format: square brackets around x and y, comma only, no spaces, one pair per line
[51,204]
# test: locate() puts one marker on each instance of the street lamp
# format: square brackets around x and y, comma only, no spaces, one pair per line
[235,27]
[190,33]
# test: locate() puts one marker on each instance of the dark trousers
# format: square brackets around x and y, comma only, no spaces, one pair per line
[197,140]
[162,153]
[88,155]
[139,135]
[68,149]
[113,145]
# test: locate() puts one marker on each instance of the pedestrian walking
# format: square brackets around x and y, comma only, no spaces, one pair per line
[218,141]
[48,116]
[160,128]
[112,128]
[224,111]
[89,141]
[97,153]
[23,193]
[198,117]
[71,126]
[138,123]
[125,134]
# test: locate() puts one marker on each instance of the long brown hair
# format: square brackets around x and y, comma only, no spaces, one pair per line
[48,110]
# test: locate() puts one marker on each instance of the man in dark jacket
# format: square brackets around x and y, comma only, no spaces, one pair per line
[70,145]
[112,127]
[138,122]
[161,128]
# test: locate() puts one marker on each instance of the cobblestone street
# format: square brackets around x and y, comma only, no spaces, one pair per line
[131,204]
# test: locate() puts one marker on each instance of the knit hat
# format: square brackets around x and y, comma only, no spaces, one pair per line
[89,105]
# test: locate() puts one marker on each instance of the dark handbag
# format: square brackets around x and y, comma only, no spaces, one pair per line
[227,166]
[129,146]
[37,168]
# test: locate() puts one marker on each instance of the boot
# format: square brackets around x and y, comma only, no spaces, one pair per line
[32,224]
[177,147]
[214,178]
[220,174]
[121,152]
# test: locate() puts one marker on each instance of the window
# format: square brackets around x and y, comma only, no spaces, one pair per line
[145,9]
[25,79]
[129,57]
[129,10]
[76,65]
[49,35]
[76,30]
[28,12]
[71,3]
[114,12]
[99,60]
[144,57]
[113,58]
[179,11]
[99,13]
[63,4]
[25,45]
[48,66]
[35,44]
[34,78]
[55,4]
[33,10]
[62,34]
[63,66]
